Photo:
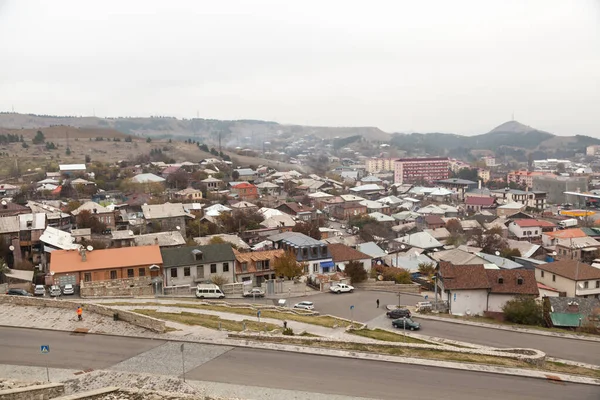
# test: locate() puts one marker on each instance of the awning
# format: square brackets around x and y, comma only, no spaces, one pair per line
[327,264]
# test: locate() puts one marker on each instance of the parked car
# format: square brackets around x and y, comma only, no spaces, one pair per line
[55,291]
[39,290]
[424,306]
[68,289]
[18,292]
[341,288]
[306,305]
[398,313]
[406,323]
[255,292]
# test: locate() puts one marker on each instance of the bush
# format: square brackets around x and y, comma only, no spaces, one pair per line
[288,332]
[356,272]
[398,275]
[523,310]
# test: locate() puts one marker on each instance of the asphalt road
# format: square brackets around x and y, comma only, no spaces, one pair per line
[293,371]
[374,379]
[20,346]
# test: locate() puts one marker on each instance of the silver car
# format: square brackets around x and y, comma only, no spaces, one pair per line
[55,291]
[39,290]
[68,289]
[306,305]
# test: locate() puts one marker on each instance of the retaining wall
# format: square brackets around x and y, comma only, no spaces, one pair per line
[143,321]
[37,392]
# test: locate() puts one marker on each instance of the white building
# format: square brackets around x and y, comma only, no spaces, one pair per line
[572,277]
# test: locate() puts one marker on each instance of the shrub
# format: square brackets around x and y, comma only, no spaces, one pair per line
[523,310]
[288,332]
[356,271]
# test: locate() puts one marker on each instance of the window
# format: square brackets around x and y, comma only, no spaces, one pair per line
[225,267]
[519,281]
[186,271]
[314,251]
[244,267]
[173,272]
[585,285]
[87,277]
[315,267]
[306,269]
[113,274]
[542,273]
[500,280]
[142,272]
[130,272]
[200,271]
[213,268]
[553,278]
[597,284]
[305,253]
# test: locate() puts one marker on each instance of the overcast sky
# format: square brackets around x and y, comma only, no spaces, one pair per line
[447,66]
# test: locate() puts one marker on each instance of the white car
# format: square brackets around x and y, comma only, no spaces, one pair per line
[341,288]
[39,290]
[55,291]
[68,289]
[306,305]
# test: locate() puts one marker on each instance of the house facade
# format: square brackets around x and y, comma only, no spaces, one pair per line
[245,191]
[342,255]
[315,255]
[256,266]
[190,265]
[166,217]
[573,278]
[347,210]
[530,229]
[302,212]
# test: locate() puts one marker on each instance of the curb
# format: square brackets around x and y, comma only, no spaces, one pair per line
[512,328]
[247,343]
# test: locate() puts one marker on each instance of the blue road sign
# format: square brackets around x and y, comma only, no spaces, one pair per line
[258,313]
[426,297]
[352,307]
[45,348]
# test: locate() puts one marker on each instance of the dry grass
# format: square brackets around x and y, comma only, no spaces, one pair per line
[325,321]
[209,321]
[438,355]
[386,336]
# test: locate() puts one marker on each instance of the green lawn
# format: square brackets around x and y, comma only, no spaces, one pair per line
[380,334]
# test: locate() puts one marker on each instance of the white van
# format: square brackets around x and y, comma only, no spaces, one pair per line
[209,291]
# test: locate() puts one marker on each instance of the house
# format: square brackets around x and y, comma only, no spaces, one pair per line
[162,239]
[372,250]
[382,218]
[245,191]
[166,217]
[54,215]
[581,248]
[243,207]
[8,208]
[474,290]
[458,257]
[551,238]
[191,265]
[510,209]
[68,169]
[147,179]
[246,174]
[475,204]
[302,212]
[431,222]
[234,240]
[95,272]
[99,213]
[31,228]
[55,239]
[8,190]
[268,188]
[311,252]
[212,184]
[256,266]
[409,261]
[278,221]
[342,255]
[375,206]
[574,278]
[347,210]
[526,229]
[419,240]
[188,193]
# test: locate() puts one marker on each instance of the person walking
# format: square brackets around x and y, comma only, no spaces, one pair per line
[80,313]
[377,303]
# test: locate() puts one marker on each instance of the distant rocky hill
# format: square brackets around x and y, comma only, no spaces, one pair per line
[511,138]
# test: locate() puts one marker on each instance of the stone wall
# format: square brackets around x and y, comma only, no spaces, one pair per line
[389,286]
[143,321]
[37,392]
[127,287]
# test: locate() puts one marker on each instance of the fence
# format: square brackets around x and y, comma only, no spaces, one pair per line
[179,290]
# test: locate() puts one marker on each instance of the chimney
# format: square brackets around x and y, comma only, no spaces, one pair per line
[156,240]
[83,254]
[480,184]
[573,307]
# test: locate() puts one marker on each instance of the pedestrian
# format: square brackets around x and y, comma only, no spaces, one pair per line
[80,313]
[377,303]
[284,324]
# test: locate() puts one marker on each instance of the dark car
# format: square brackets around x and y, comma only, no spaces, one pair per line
[406,323]
[18,292]
[398,313]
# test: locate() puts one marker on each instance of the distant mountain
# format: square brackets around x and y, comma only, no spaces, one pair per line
[511,138]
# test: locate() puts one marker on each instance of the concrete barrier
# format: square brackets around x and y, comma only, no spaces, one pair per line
[143,321]
[36,392]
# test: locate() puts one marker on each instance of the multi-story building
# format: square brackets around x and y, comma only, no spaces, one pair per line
[483,174]
[551,164]
[556,186]
[592,150]
[457,165]
[524,177]
[315,255]
[375,165]
[415,170]
[574,278]
[489,161]
[533,198]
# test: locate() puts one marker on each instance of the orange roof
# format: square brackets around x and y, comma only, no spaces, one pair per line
[567,233]
[531,223]
[70,260]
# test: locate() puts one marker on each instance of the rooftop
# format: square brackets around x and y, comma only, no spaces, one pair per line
[571,269]
[340,252]
[64,261]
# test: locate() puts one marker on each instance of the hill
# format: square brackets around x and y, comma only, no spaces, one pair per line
[510,138]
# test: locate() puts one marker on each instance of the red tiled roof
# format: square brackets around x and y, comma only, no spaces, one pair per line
[468,277]
[480,201]
[341,252]
[510,281]
[459,277]
[70,260]
[434,220]
[544,287]
[567,233]
[532,223]
[243,185]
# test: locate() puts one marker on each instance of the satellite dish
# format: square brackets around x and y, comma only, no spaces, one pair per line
[130,233]
[178,228]
[89,248]
[416,253]
[52,273]
[497,253]
[3,202]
